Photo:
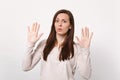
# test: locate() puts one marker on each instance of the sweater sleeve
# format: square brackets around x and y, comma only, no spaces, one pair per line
[33,55]
[83,62]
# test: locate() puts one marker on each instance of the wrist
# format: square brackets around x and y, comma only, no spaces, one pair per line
[30,44]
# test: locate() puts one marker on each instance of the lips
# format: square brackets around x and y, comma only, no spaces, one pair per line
[59,29]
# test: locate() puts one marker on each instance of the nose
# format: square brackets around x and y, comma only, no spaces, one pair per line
[60,23]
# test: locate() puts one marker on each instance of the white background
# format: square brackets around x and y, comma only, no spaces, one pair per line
[101,16]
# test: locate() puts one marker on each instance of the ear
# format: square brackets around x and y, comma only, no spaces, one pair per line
[70,27]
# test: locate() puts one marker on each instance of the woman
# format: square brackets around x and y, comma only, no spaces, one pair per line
[60,56]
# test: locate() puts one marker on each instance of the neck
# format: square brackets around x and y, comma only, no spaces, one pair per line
[60,39]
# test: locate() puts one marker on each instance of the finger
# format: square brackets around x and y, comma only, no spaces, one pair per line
[33,26]
[37,29]
[28,28]
[91,35]
[87,32]
[82,32]
[36,25]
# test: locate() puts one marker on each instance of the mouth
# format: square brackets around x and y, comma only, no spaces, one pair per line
[59,29]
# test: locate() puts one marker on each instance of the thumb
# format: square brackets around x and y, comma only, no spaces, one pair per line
[77,39]
[39,36]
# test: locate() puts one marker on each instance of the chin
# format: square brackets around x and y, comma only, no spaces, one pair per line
[61,34]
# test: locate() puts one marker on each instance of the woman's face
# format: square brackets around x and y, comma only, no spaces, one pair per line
[62,24]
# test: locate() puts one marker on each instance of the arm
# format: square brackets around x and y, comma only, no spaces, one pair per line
[33,55]
[83,63]
[83,57]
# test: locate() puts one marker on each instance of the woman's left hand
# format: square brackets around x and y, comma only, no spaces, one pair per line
[85,39]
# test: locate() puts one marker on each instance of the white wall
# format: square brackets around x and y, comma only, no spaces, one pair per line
[101,16]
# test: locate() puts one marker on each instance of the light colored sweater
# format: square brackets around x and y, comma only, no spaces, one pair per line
[53,69]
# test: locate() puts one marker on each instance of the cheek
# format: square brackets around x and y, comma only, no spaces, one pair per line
[66,29]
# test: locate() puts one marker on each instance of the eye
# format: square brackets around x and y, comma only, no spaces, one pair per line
[64,21]
[56,20]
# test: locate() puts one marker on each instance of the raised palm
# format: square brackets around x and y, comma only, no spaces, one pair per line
[85,39]
[33,36]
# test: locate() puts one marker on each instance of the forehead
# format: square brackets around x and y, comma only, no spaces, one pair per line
[63,16]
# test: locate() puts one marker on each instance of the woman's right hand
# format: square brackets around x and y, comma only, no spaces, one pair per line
[33,36]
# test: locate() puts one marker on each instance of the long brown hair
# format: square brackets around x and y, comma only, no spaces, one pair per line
[67,51]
